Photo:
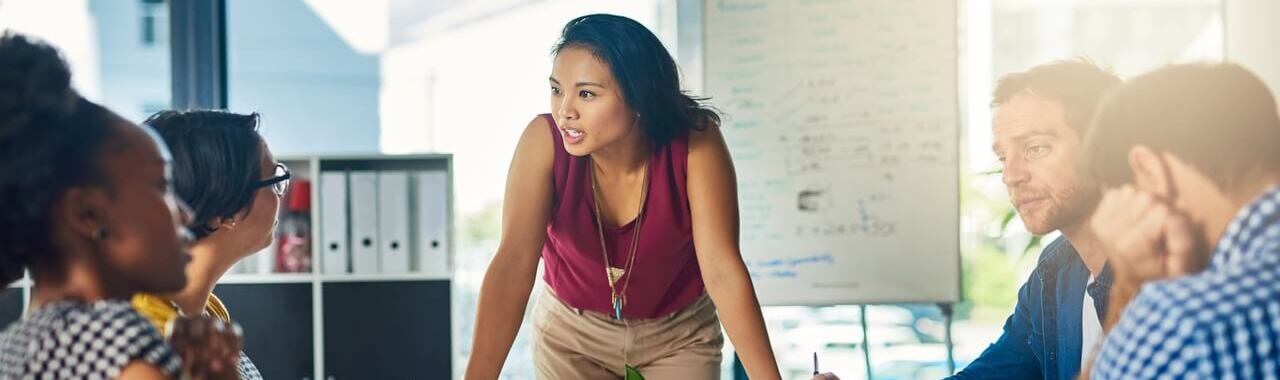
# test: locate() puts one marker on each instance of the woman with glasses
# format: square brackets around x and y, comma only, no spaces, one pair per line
[224,170]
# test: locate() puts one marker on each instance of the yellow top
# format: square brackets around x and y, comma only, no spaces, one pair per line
[159,310]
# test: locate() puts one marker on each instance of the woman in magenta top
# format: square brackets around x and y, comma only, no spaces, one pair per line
[627,191]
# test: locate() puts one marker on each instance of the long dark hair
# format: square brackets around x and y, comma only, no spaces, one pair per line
[644,70]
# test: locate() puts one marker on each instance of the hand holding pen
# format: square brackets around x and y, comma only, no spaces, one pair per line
[821,376]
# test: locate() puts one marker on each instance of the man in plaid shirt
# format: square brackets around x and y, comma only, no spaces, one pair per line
[1190,155]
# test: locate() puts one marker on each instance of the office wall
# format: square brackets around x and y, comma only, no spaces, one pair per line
[1253,37]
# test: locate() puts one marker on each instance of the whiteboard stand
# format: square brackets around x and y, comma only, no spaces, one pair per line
[866,341]
[948,315]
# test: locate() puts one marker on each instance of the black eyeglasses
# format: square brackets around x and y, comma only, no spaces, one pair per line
[279,182]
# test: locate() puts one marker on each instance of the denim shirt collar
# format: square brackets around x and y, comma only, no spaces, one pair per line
[1063,277]
[1100,290]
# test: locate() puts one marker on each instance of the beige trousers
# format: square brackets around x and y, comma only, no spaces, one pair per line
[571,343]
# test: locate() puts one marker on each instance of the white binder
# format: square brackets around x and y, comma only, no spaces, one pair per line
[432,222]
[393,221]
[333,222]
[364,222]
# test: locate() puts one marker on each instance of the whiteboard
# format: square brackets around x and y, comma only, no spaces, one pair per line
[843,124]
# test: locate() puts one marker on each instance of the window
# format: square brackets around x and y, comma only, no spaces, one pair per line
[154,23]
[99,40]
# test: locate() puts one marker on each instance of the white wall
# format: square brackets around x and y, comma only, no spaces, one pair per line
[471,89]
[317,92]
[1253,37]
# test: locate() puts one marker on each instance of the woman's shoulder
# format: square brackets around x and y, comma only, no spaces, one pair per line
[98,335]
[65,312]
[540,128]
[109,318]
[537,143]
[705,143]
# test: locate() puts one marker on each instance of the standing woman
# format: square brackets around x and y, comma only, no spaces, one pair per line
[86,207]
[223,169]
[627,191]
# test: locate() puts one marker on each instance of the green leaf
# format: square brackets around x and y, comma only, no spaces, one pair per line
[1008,217]
[633,374]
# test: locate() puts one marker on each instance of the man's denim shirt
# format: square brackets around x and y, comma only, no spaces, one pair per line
[1042,338]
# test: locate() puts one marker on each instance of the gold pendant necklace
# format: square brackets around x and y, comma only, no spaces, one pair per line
[614,274]
[618,298]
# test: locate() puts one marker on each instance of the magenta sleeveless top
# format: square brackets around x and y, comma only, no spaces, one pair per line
[666,275]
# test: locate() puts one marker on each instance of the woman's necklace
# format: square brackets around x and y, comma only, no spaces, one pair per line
[618,297]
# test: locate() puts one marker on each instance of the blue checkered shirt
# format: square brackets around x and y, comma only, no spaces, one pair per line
[1222,323]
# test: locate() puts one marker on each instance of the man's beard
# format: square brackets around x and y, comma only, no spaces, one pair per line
[1077,205]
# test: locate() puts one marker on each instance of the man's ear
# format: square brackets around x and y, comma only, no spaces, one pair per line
[1150,174]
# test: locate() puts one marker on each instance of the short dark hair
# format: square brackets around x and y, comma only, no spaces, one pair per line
[1217,117]
[216,160]
[644,70]
[50,142]
[1078,85]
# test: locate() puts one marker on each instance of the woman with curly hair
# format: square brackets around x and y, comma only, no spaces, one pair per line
[87,208]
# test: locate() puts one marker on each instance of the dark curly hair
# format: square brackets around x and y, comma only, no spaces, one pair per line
[216,160]
[644,70]
[50,138]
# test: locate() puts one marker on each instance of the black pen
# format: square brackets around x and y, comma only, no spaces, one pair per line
[815,364]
